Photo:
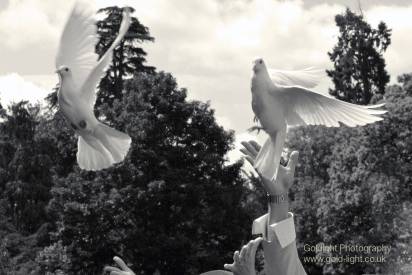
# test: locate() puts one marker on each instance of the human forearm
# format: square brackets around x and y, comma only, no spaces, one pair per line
[277,226]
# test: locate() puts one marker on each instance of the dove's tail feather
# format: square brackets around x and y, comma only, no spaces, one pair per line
[104,148]
[268,159]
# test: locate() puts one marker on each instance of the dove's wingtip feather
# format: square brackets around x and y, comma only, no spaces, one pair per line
[375,106]
[78,40]
[83,6]
[317,109]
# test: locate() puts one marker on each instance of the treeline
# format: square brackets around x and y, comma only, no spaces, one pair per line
[175,206]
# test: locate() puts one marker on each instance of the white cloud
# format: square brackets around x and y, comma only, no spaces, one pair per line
[30,22]
[14,88]
[399,20]
[29,30]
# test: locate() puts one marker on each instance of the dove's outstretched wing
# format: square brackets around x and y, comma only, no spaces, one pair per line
[89,86]
[307,107]
[308,78]
[77,43]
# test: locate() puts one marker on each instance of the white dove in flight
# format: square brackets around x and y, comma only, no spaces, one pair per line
[80,71]
[281,99]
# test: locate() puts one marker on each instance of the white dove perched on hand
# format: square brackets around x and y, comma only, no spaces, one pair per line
[80,71]
[281,99]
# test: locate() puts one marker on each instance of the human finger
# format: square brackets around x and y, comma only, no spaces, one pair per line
[110,269]
[255,245]
[250,160]
[230,267]
[246,152]
[121,263]
[293,160]
[243,252]
[248,249]
[252,150]
[255,145]
[236,256]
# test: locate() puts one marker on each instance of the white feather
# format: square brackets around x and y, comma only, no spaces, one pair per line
[317,109]
[88,89]
[100,150]
[92,155]
[77,43]
[308,78]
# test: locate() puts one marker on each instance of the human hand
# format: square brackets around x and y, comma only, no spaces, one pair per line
[123,270]
[284,178]
[244,262]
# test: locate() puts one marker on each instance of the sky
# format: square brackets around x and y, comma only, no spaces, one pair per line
[208,46]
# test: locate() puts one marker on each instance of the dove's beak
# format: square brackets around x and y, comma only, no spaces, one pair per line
[57,71]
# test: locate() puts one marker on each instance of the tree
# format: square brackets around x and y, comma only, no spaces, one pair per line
[25,181]
[2,111]
[359,67]
[315,145]
[128,58]
[366,193]
[347,193]
[173,205]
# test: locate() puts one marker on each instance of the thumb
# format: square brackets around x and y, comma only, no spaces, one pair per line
[230,267]
[293,160]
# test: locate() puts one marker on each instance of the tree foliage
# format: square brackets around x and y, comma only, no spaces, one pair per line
[24,165]
[346,192]
[359,67]
[353,184]
[128,57]
[173,193]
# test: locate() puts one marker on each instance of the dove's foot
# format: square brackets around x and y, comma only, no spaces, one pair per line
[255,128]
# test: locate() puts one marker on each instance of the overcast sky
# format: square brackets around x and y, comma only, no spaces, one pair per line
[207,45]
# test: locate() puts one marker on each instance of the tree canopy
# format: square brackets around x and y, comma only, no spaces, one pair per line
[359,67]
[128,57]
[346,191]
[174,192]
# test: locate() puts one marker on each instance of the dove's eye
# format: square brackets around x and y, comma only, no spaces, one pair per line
[67,69]
[82,124]
[260,61]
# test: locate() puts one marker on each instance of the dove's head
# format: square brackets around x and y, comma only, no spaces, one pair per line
[63,71]
[258,65]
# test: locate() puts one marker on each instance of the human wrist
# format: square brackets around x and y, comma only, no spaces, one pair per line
[278,207]
[277,197]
